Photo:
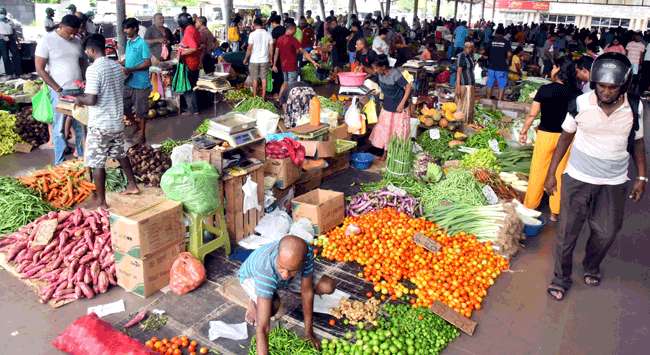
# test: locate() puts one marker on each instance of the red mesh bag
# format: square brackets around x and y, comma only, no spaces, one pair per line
[89,335]
[186,274]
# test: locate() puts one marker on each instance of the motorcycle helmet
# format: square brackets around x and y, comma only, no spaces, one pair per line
[184,20]
[613,69]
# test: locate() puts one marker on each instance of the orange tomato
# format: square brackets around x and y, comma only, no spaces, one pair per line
[185,343]
[157,345]
[331,322]
[460,272]
[184,338]
[193,343]
[203,350]
[177,352]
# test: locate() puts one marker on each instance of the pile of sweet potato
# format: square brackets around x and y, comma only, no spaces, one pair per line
[77,261]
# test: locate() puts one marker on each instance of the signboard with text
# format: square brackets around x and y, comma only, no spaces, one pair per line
[522,5]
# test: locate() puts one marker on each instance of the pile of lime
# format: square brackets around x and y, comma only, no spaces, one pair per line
[402,330]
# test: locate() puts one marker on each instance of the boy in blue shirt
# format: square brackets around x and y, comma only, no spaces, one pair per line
[136,62]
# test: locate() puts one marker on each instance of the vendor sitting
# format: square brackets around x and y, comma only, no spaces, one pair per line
[295,102]
[275,266]
[364,58]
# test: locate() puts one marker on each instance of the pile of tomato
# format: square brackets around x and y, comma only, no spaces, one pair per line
[458,275]
[178,345]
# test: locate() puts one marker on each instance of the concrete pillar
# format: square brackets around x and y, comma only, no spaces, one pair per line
[227,12]
[301,9]
[322,9]
[387,8]
[279,4]
[455,9]
[350,8]
[483,10]
[438,8]
[415,10]
[469,22]
[494,6]
[120,14]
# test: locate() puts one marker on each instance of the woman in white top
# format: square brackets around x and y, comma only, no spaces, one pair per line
[379,44]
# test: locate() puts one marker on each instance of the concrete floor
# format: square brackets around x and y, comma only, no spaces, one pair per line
[517,316]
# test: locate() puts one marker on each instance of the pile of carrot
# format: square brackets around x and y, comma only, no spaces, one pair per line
[61,186]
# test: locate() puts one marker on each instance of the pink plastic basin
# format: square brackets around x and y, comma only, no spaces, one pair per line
[351,79]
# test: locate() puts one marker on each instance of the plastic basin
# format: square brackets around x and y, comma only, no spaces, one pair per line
[351,79]
[533,231]
[362,161]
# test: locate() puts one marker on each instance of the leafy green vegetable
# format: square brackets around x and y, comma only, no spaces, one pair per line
[335,106]
[439,148]
[488,117]
[169,144]
[458,187]
[284,341]
[255,103]
[308,74]
[115,180]
[481,159]
[516,159]
[528,91]
[238,94]
[203,127]
[481,138]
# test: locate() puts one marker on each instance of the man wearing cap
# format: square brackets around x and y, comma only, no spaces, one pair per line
[603,129]
[72,9]
[9,44]
[49,20]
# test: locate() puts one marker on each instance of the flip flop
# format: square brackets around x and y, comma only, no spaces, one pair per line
[592,280]
[557,292]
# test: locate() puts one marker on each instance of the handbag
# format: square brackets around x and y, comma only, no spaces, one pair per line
[180,82]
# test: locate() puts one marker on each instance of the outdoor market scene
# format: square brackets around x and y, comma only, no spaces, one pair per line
[324,177]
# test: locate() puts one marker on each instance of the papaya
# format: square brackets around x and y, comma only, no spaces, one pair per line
[443,123]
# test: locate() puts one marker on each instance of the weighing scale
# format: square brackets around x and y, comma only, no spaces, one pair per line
[234,128]
[354,90]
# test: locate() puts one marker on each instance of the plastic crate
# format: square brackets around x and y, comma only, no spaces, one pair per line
[344,145]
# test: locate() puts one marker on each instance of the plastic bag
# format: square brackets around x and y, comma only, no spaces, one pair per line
[269,81]
[250,195]
[193,184]
[182,154]
[304,229]
[267,121]
[180,82]
[164,53]
[274,225]
[353,117]
[186,274]
[370,110]
[89,335]
[42,109]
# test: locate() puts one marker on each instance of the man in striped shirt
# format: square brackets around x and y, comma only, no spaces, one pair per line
[605,128]
[103,96]
[276,266]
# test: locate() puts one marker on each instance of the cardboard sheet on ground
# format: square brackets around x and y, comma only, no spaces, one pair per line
[219,329]
[103,310]
[323,303]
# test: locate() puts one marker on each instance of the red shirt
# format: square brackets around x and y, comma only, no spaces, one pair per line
[307,37]
[191,39]
[288,47]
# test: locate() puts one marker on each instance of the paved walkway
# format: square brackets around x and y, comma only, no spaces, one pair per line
[517,316]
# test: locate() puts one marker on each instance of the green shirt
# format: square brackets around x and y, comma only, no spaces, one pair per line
[298,34]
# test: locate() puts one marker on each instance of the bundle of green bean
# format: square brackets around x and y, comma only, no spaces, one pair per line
[399,161]
[284,341]
[458,187]
[516,159]
[18,205]
[255,102]
[115,180]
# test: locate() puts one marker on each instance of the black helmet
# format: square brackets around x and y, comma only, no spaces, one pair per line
[611,68]
[184,20]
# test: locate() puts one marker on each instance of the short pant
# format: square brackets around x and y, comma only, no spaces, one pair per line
[258,70]
[290,77]
[635,69]
[101,145]
[137,101]
[501,77]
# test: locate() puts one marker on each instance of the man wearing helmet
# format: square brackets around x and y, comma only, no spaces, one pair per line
[49,20]
[603,130]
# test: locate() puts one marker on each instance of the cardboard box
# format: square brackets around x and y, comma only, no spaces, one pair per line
[285,172]
[147,225]
[320,149]
[144,277]
[310,180]
[324,208]
[340,132]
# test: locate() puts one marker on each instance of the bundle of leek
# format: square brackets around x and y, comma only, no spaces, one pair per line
[498,224]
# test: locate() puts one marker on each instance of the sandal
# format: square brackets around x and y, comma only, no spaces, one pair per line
[554,217]
[592,280]
[557,292]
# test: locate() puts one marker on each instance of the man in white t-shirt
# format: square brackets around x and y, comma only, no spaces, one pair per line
[259,54]
[58,62]
[601,131]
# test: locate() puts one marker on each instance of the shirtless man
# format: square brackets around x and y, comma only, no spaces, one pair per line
[275,266]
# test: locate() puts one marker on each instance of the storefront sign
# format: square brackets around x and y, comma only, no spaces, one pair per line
[522,5]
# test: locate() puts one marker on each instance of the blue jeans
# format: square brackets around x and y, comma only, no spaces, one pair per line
[57,132]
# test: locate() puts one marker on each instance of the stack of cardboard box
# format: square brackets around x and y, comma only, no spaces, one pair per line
[147,234]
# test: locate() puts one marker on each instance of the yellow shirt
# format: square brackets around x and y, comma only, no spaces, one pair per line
[514,73]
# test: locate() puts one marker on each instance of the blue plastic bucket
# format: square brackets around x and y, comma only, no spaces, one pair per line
[362,161]
[532,231]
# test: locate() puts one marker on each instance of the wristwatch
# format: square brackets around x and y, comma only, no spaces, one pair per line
[642,178]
